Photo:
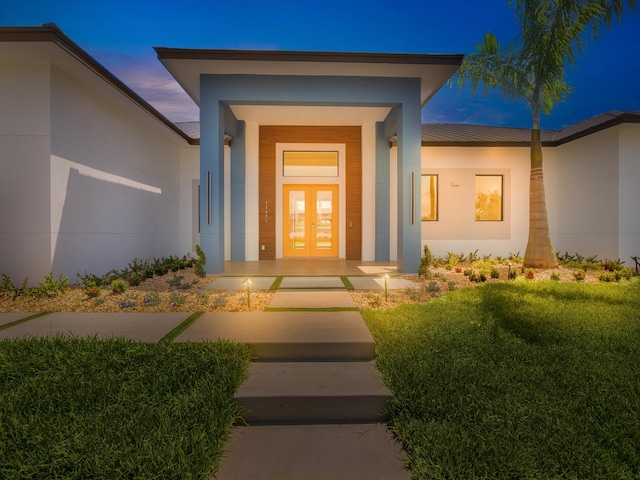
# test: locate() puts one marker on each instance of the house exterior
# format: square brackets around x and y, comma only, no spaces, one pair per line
[297,154]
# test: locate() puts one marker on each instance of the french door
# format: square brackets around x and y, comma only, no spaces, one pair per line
[310,220]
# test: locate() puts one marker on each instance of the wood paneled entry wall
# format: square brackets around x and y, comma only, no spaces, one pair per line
[351,137]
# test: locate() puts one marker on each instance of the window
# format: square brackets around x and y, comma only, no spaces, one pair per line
[309,164]
[489,198]
[429,207]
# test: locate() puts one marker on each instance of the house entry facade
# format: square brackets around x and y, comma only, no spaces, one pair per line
[295,155]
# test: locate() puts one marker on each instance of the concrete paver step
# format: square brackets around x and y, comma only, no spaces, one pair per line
[312,299]
[141,327]
[289,335]
[313,452]
[312,392]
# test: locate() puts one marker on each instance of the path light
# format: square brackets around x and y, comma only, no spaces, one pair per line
[386,294]
[509,275]
[248,283]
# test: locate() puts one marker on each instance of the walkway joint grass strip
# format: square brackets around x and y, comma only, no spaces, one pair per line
[276,283]
[175,333]
[23,320]
[347,283]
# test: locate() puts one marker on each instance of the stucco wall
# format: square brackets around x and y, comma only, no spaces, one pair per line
[456,229]
[588,195]
[629,193]
[24,169]
[115,180]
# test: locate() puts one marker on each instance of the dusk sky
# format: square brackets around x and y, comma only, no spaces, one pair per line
[121,36]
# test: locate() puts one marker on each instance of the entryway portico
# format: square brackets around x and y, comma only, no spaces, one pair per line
[243,94]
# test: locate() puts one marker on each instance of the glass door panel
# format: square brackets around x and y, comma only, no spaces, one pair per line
[310,226]
[297,237]
[324,220]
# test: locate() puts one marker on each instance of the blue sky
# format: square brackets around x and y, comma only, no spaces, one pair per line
[121,36]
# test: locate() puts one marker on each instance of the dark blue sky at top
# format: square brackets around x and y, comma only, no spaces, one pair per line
[120,35]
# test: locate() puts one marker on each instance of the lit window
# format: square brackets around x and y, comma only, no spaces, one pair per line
[309,164]
[488,198]
[429,198]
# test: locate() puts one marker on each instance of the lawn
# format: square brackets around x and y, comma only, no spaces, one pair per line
[516,381]
[107,409]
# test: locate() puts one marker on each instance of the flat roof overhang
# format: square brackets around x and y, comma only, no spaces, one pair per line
[186,65]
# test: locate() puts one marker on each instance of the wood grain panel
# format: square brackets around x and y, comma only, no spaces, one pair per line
[352,138]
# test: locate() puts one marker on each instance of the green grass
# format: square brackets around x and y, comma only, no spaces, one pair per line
[516,381]
[89,409]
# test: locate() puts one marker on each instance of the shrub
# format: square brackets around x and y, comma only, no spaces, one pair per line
[555,276]
[579,275]
[91,289]
[530,274]
[494,272]
[198,267]
[118,286]
[151,299]
[425,262]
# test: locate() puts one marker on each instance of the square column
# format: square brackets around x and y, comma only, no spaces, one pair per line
[409,191]
[212,180]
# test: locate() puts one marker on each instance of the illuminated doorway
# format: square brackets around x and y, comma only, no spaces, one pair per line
[310,220]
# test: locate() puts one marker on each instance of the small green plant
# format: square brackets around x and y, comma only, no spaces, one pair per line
[515,257]
[177,282]
[555,276]
[118,286]
[90,277]
[473,256]
[91,289]
[198,266]
[607,277]
[452,260]
[220,301]
[136,278]
[128,303]
[451,285]
[433,288]
[579,275]
[494,273]
[8,287]
[50,287]
[413,294]
[425,263]
[529,274]
[178,298]
[512,273]
[151,299]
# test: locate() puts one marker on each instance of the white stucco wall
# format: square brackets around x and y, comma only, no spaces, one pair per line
[456,229]
[189,202]
[94,181]
[629,193]
[115,179]
[588,195]
[24,169]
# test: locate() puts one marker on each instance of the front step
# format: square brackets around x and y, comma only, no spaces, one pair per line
[312,392]
[346,452]
[283,336]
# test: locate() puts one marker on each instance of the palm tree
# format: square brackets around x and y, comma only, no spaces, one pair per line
[532,67]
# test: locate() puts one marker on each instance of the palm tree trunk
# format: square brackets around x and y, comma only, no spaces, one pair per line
[540,252]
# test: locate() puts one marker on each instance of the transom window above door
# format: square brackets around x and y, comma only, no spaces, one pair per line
[296,163]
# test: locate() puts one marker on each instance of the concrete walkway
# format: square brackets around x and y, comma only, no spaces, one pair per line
[314,401]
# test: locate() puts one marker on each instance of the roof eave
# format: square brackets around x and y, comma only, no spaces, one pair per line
[53,34]
[307,56]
